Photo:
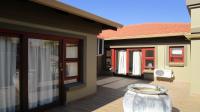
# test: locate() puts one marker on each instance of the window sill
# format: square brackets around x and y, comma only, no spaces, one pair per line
[73,86]
[176,64]
[99,55]
[148,71]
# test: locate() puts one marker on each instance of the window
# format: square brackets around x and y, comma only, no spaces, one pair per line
[72,60]
[100,46]
[108,59]
[176,54]
[148,58]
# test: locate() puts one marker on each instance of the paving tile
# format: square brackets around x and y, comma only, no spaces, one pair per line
[110,93]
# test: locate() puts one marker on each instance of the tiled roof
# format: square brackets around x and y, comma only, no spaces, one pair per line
[146,30]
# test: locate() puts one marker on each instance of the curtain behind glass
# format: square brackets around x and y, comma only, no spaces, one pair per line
[43,72]
[122,62]
[71,69]
[9,88]
[137,63]
[71,50]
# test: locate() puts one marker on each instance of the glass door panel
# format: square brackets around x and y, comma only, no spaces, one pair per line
[9,74]
[121,62]
[43,72]
[135,62]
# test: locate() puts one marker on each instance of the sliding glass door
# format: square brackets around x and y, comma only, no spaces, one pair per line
[43,72]
[31,71]
[133,61]
[9,74]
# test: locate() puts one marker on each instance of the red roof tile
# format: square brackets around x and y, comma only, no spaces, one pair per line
[146,30]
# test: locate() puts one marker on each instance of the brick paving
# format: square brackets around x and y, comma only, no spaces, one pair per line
[111,90]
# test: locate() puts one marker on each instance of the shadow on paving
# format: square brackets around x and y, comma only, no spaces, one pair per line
[174,109]
[102,97]
[108,90]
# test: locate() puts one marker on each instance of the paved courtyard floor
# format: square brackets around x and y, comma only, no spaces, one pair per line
[110,93]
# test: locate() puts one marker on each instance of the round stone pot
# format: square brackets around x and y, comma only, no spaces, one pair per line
[146,98]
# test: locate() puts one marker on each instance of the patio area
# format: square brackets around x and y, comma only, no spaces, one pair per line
[110,91]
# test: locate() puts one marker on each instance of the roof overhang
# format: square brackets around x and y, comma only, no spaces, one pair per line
[148,36]
[75,11]
[192,2]
[192,36]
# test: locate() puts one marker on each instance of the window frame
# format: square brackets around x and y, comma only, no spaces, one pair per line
[77,60]
[100,47]
[113,60]
[144,59]
[182,56]
[108,66]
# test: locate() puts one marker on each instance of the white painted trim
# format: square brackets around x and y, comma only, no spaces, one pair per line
[132,46]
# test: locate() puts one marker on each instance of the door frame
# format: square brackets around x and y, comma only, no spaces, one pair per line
[114,57]
[23,77]
[142,49]
[128,63]
[61,86]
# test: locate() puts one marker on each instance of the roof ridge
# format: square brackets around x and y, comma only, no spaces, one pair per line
[148,23]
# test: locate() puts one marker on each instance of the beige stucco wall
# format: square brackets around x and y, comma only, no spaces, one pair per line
[90,72]
[195,61]
[181,73]
[195,17]
[194,9]
[192,2]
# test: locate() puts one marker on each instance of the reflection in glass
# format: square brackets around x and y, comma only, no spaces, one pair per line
[177,51]
[108,53]
[149,63]
[71,69]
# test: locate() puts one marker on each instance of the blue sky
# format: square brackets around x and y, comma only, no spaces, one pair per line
[135,11]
